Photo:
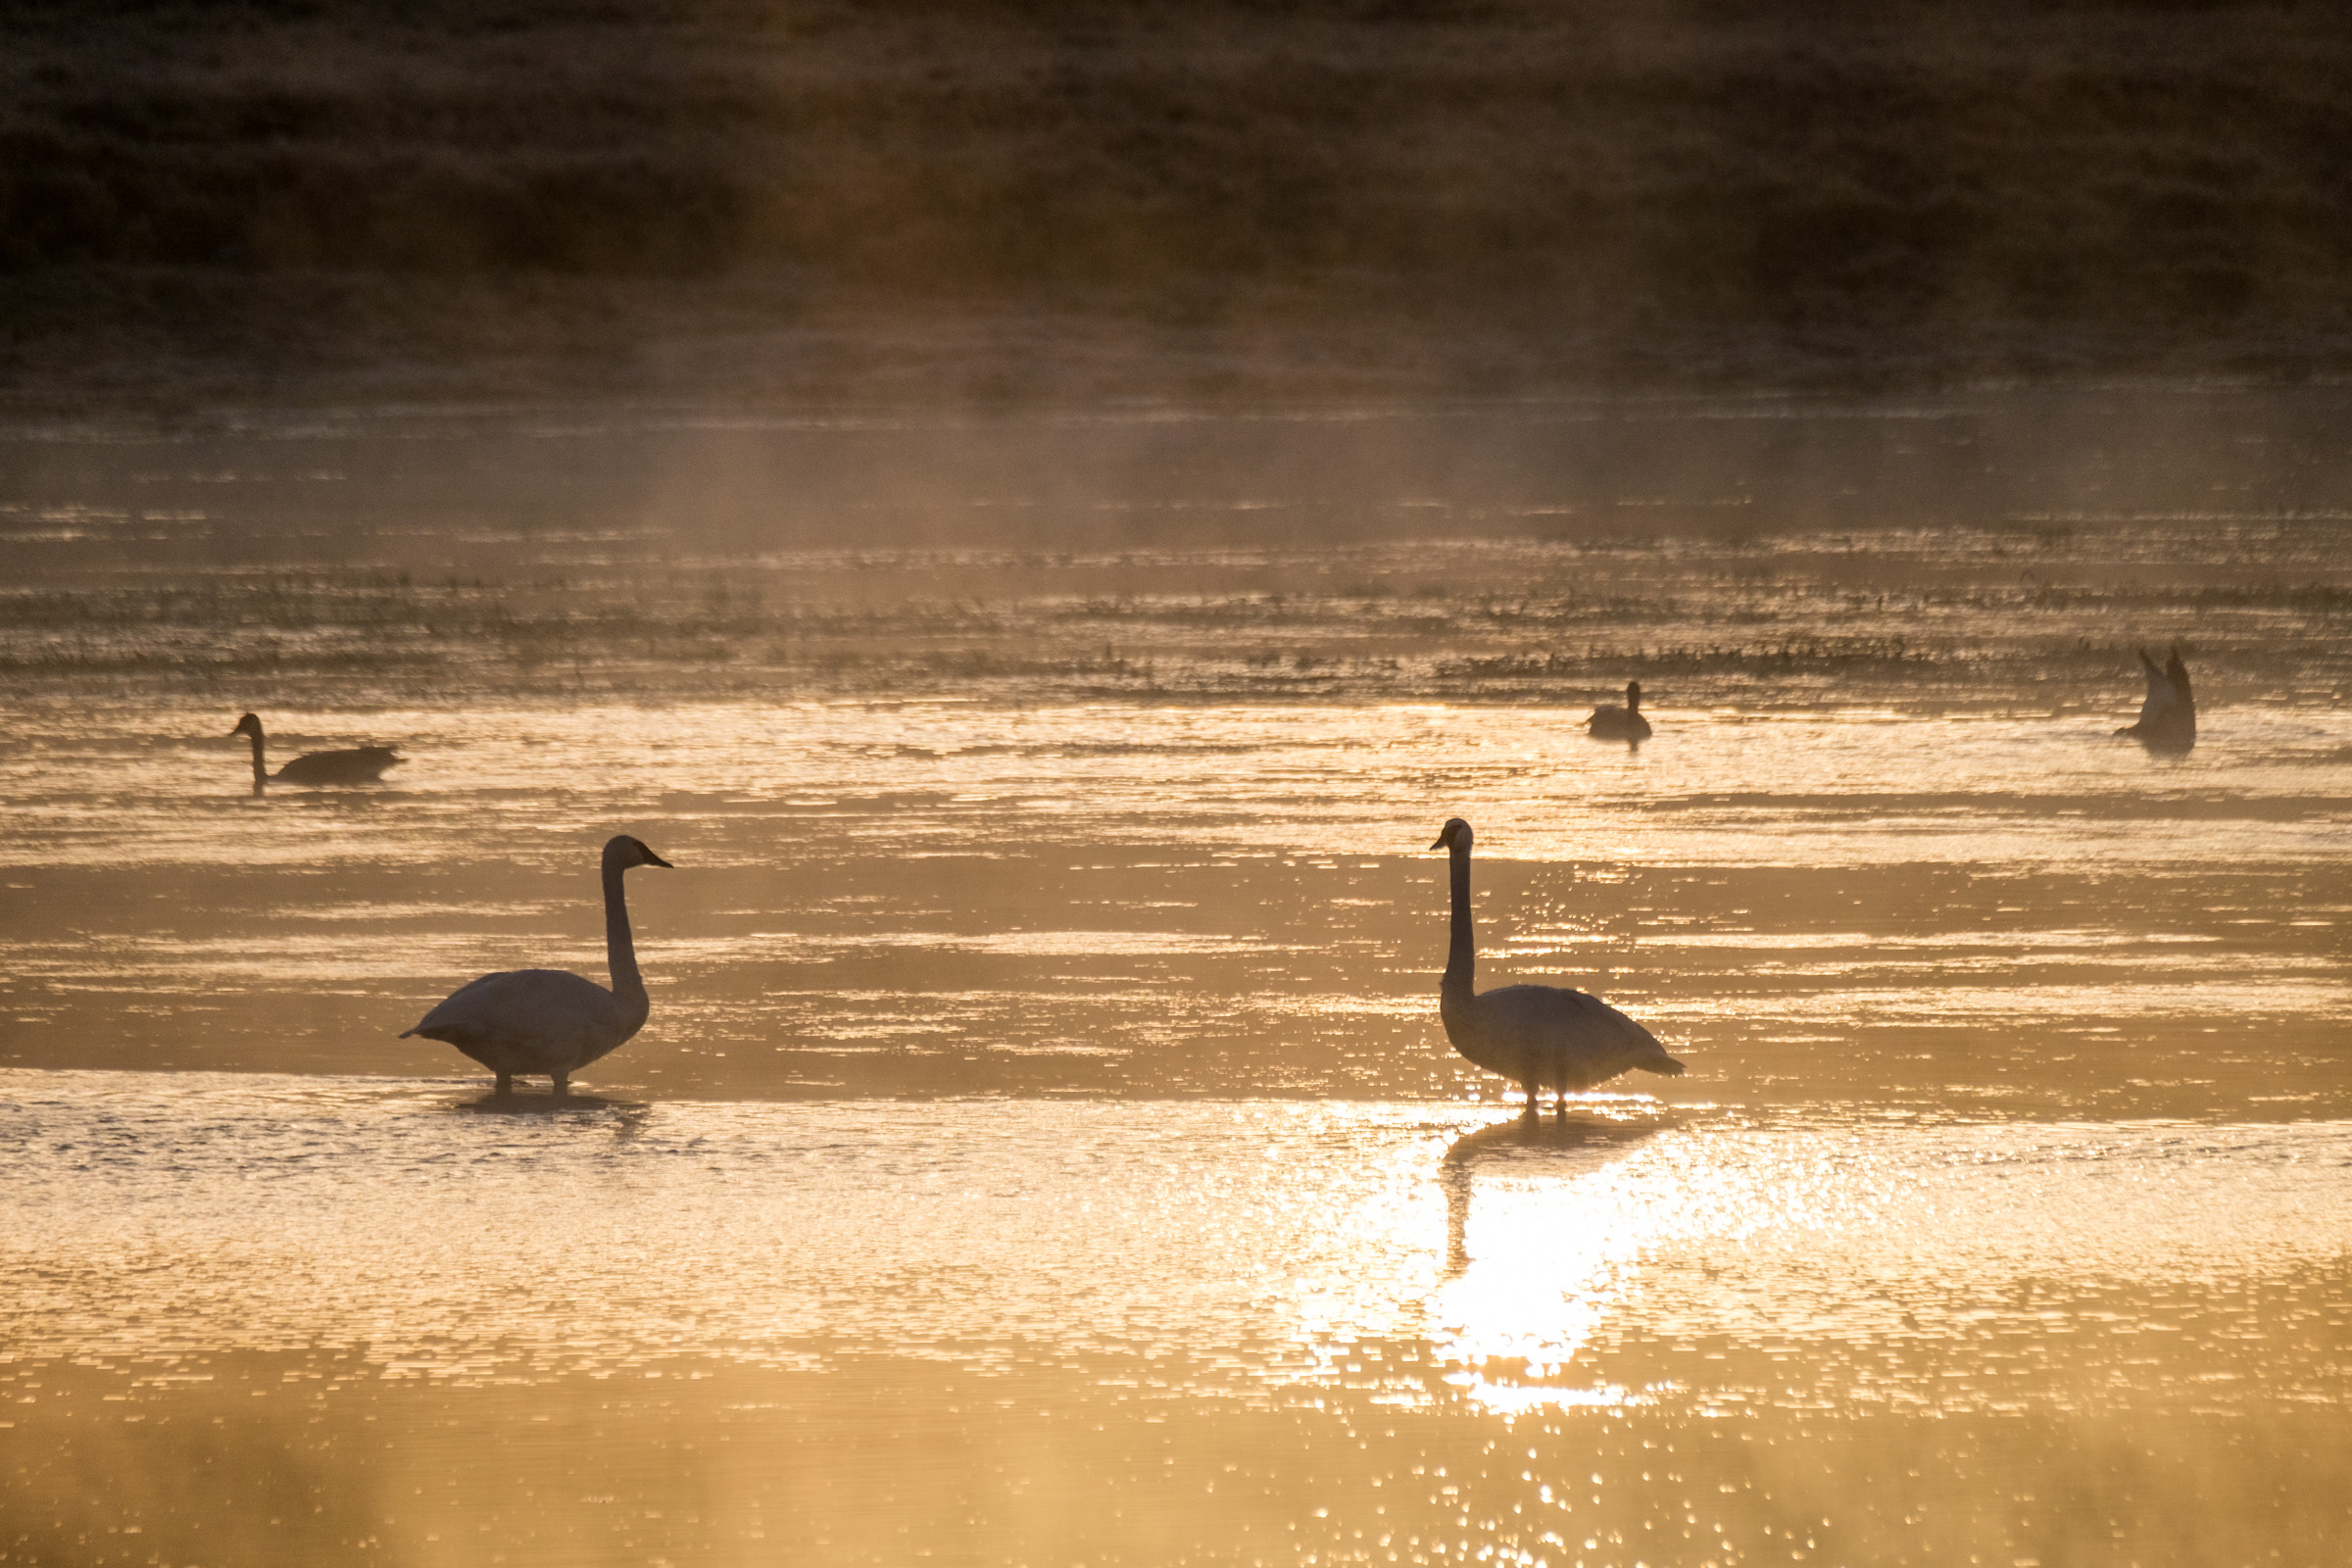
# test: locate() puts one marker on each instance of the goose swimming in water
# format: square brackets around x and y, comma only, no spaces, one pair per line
[1539,1036]
[550,1021]
[2168,718]
[1615,724]
[361,765]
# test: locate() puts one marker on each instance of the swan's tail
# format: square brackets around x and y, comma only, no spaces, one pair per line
[1664,1066]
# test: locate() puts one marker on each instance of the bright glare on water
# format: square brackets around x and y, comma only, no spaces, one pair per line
[1044,1148]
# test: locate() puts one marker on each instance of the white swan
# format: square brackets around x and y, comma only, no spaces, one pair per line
[550,1021]
[1538,1035]
[1615,724]
[361,765]
[2168,718]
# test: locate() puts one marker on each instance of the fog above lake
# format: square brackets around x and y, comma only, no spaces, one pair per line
[1037,516]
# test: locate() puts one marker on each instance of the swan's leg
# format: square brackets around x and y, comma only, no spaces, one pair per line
[562,1084]
[505,1085]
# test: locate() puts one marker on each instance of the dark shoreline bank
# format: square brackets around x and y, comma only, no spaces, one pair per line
[1000,204]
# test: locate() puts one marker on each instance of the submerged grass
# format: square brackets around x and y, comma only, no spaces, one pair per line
[1735,623]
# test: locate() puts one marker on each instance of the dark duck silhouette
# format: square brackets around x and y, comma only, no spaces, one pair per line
[1615,724]
[1543,1037]
[361,765]
[2168,718]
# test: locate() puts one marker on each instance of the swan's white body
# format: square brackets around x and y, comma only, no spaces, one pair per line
[1615,724]
[550,1020]
[2168,715]
[361,765]
[1543,1037]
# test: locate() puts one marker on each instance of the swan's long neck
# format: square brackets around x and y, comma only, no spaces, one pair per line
[620,949]
[261,771]
[1461,958]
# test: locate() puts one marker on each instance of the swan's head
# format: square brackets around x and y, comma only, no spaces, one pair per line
[249,724]
[1633,695]
[624,852]
[1456,836]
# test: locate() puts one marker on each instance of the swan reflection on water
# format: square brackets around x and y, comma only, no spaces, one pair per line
[1507,1327]
[495,1104]
[1534,1146]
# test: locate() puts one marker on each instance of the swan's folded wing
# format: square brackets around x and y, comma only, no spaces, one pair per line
[1549,1015]
[1639,1043]
[529,1012]
[1634,1045]
[360,765]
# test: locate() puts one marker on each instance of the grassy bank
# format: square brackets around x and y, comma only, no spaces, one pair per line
[987,200]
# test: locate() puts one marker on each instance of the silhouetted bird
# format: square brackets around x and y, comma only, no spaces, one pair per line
[2168,718]
[550,1021]
[1615,724]
[361,765]
[1539,1036]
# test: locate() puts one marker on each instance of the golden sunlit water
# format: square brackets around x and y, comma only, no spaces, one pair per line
[1044,1148]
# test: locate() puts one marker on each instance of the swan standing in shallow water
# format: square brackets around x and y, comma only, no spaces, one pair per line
[1615,724]
[2168,718]
[1540,1036]
[361,765]
[550,1021]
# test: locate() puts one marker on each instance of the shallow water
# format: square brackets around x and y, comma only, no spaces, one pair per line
[951,898]
[1042,1147]
[1606,1327]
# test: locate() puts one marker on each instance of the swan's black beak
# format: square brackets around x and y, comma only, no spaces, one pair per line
[650,858]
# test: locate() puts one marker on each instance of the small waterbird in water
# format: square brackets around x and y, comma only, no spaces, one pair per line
[361,765]
[1613,723]
[1539,1036]
[2168,718]
[550,1020]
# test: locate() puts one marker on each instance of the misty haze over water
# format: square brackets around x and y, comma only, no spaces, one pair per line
[1049,795]
[1039,516]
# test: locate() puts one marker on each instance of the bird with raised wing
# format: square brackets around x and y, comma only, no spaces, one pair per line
[2168,716]
[361,765]
[550,1020]
[1543,1037]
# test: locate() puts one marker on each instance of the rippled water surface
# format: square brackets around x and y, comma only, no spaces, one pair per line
[1042,1147]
